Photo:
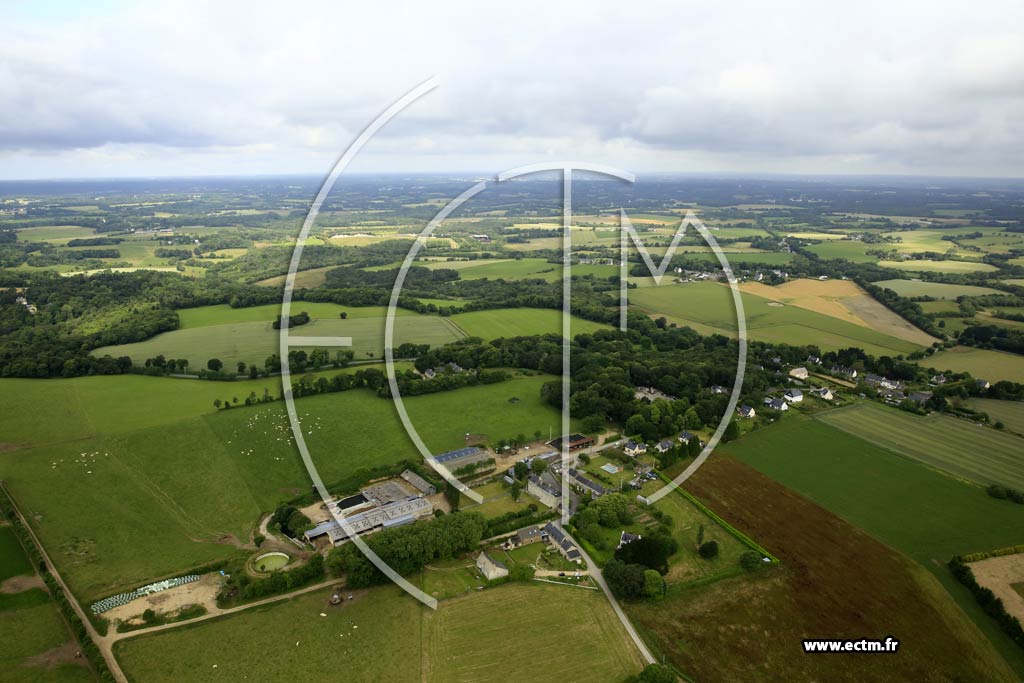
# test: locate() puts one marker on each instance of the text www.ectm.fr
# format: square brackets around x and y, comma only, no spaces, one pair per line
[890,645]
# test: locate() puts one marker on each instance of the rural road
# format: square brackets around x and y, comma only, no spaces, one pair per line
[595,574]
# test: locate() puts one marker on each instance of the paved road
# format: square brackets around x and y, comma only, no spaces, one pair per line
[595,574]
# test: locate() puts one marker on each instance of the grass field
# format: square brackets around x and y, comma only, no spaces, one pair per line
[937,290]
[155,500]
[1010,413]
[253,342]
[58,234]
[708,307]
[981,363]
[205,316]
[851,250]
[314,277]
[833,578]
[927,266]
[941,306]
[963,449]
[37,646]
[385,636]
[520,322]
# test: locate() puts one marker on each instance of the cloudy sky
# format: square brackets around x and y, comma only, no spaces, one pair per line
[202,88]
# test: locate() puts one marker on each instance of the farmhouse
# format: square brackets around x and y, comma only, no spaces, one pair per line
[851,373]
[531,534]
[793,396]
[461,457]
[884,382]
[747,411]
[558,539]
[543,491]
[430,373]
[387,516]
[575,442]
[776,404]
[421,484]
[798,373]
[491,568]
[635,448]
[627,538]
[824,393]
[813,360]
[481,238]
[938,379]
[650,394]
[982,384]
[595,489]
[686,437]
[920,397]
[664,446]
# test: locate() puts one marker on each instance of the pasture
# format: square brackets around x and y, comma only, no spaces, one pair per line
[938,290]
[253,342]
[56,234]
[520,322]
[154,501]
[851,250]
[314,277]
[384,635]
[222,314]
[708,307]
[928,266]
[981,363]
[961,448]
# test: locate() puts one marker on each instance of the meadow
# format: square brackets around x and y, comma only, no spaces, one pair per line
[981,363]
[1010,413]
[222,314]
[520,322]
[961,448]
[253,342]
[142,502]
[936,290]
[927,266]
[851,250]
[384,635]
[708,307]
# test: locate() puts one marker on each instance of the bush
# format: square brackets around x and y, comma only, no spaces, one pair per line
[750,560]
[709,550]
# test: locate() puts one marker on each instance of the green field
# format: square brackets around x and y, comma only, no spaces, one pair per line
[851,250]
[58,234]
[148,501]
[708,307]
[520,322]
[981,363]
[940,306]
[31,628]
[927,266]
[386,636]
[924,513]
[1010,413]
[222,314]
[937,290]
[253,342]
[963,449]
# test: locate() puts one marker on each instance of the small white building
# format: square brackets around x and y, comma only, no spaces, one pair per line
[635,448]
[491,568]
[747,412]
[793,396]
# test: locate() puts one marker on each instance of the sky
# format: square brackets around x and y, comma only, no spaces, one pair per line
[120,89]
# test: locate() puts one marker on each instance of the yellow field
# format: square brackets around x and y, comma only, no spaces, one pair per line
[844,300]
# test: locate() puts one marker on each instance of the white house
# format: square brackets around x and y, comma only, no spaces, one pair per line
[491,568]
[776,404]
[635,448]
[747,411]
[793,396]
[825,393]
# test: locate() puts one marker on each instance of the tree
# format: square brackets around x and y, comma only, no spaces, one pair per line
[653,583]
[657,673]
[343,315]
[732,431]
[517,491]
[214,364]
[750,560]
[521,470]
[240,367]
[253,372]
[216,403]
[700,535]
[692,419]
[709,550]
[538,466]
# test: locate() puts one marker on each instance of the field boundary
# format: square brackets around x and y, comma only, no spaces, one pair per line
[736,533]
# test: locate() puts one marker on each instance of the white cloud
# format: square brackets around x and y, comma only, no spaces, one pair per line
[211,87]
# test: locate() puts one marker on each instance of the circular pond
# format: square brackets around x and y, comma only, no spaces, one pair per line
[268,562]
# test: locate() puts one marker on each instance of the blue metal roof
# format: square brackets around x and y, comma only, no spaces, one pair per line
[458,454]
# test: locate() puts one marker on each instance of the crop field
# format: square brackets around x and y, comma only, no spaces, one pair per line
[222,314]
[981,363]
[520,322]
[941,306]
[384,635]
[819,587]
[927,266]
[518,269]
[252,342]
[1010,413]
[708,307]
[937,290]
[57,234]
[188,491]
[851,250]
[314,277]
[924,513]
[963,449]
